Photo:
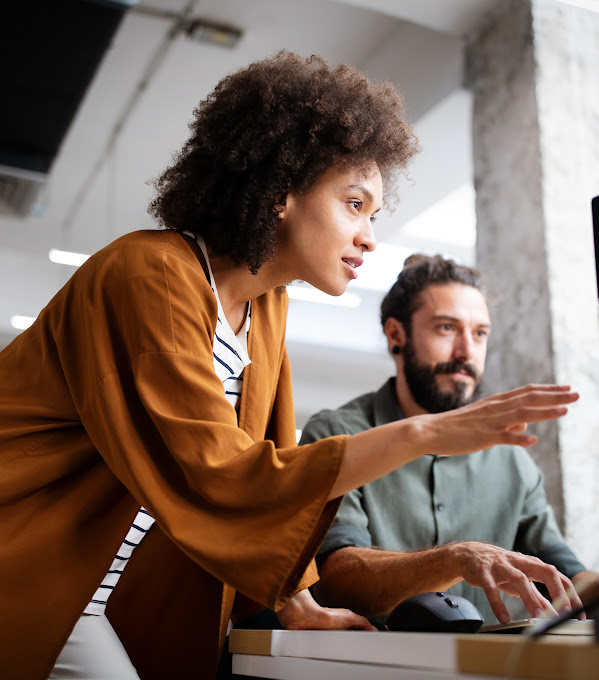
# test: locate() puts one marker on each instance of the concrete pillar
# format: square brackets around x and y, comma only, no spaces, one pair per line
[534,73]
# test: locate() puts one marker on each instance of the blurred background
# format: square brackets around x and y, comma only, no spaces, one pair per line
[94,139]
[97,96]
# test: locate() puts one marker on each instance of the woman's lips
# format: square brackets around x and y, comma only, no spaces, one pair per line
[351,264]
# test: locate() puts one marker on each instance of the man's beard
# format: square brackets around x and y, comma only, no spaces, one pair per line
[421,380]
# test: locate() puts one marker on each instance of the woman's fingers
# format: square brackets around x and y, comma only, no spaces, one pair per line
[532,404]
[533,414]
[500,419]
[302,612]
[333,619]
[525,390]
[524,440]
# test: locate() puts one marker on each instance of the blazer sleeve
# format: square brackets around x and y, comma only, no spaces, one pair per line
[282,430]
[157,414]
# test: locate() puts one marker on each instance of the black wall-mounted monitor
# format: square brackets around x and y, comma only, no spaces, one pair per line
[595,208]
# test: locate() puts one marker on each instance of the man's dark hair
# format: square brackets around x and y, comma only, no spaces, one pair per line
[420,271]
[270,129]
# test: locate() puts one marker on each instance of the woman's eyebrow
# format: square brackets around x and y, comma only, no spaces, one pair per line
[365,191]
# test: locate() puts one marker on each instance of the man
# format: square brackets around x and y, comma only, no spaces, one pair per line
[439,522]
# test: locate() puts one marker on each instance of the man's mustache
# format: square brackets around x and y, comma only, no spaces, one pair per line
[455,367]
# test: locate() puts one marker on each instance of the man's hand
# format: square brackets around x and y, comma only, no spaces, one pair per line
[493,569]
[372,582]
[303,613]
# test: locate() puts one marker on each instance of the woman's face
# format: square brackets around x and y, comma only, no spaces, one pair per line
[324,231]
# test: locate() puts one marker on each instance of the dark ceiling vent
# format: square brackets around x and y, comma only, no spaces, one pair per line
[19,190]
[51,51]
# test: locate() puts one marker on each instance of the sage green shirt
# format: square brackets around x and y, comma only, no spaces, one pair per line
[494,496]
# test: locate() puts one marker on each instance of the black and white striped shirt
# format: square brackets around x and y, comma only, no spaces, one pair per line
[230,358]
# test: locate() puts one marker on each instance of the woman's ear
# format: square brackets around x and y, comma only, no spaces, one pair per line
[280,206]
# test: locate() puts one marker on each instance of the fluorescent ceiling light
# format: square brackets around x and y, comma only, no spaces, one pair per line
[21,322]
[451,220]
[65,257]
[314,295]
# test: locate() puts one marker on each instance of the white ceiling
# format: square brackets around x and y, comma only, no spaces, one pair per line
[142,98]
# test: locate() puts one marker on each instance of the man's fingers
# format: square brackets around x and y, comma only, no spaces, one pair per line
[493,568]
[497,605]
[562,592]
[520,584]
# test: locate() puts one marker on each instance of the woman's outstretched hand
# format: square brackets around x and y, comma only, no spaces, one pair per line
[499,419]
[302,612]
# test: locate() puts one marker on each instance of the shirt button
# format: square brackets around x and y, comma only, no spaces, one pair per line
[440,506]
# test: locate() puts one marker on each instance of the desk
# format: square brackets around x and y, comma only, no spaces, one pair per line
[357,655]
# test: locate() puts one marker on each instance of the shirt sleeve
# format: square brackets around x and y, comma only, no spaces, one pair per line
[538,532]
[350,526]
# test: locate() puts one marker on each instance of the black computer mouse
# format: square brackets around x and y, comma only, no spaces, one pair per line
[435,613]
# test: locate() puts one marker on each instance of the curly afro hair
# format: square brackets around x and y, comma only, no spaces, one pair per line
[270,129]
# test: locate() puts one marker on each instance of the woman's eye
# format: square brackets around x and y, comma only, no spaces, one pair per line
[357,205]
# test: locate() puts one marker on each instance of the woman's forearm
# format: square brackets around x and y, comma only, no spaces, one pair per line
[376,452]
[500,419]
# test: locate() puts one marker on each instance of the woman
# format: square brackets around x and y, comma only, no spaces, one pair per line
[152,395]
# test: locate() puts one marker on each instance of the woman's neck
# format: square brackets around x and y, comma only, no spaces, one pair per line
[236,285]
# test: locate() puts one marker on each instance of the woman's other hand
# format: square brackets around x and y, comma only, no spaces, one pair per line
[302,612]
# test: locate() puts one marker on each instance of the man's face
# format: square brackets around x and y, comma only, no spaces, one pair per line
[444,355]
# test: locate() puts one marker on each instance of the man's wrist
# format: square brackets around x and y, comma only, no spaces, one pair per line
[451,559]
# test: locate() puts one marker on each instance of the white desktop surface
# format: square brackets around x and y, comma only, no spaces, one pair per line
[289,668]
[363,655]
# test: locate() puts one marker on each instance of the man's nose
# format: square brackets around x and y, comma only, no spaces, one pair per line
[464,347]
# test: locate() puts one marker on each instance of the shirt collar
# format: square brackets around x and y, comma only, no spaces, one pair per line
[386,407]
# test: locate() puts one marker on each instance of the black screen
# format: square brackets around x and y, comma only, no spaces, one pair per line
[595,206]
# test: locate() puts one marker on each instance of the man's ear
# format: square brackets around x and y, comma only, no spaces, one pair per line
[395,332]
